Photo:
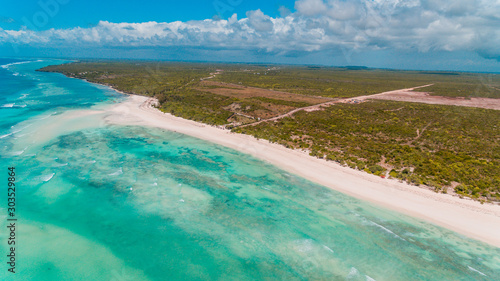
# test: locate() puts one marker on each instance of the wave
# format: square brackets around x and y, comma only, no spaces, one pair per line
[353,273]
[5,66]
[19,130]
[386,229]
[4,136]
[47,116]
[20,136]
[379,226]
[16,153]
[304,245]
[475,270]
[118,172]
[11,105]
[328,248]
[47,178]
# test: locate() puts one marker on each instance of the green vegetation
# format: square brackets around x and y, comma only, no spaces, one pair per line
[198,106]
[140,78]
[444,147]
[469,86]
[346,82]
[178,88]
[434,145]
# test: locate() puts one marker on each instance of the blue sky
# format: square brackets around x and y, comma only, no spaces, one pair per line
[90,12]
[404,34]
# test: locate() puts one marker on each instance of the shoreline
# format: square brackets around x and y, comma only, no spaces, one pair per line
[465,216]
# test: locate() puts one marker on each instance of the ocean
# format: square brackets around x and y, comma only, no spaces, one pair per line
[96,201]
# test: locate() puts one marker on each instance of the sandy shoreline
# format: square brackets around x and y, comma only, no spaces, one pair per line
[470,218]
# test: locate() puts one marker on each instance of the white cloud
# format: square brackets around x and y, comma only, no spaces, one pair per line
[284,11]
[423,25]
[259,21]
[310,7]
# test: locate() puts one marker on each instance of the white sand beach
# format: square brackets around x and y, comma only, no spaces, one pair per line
[470,218]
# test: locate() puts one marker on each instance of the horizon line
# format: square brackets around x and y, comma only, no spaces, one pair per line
[363,67]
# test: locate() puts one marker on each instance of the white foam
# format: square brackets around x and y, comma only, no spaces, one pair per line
[379,226]
[16,153]
[61,165]
[305,245]
[328,248]
[118,172]
[368,278]
[352,273]
[45,117]
[475,270]
[5,66]
[11,105]
[4,136]
[19,130]
[20,136]
[46,178]
[386,229]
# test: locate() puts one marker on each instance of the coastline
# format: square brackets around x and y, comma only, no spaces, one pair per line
[465,216]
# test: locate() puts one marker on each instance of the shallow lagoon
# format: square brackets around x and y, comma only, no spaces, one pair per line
[130,203]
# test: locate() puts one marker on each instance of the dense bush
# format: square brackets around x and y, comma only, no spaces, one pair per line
[433,145]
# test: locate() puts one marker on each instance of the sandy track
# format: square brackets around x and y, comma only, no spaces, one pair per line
[326,104]
[424,97]
[407,95]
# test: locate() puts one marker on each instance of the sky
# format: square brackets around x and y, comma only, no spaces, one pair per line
[401,34]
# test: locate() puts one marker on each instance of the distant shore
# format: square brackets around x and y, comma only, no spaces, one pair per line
[465,216]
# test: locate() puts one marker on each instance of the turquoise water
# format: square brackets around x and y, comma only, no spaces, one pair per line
[102,202]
